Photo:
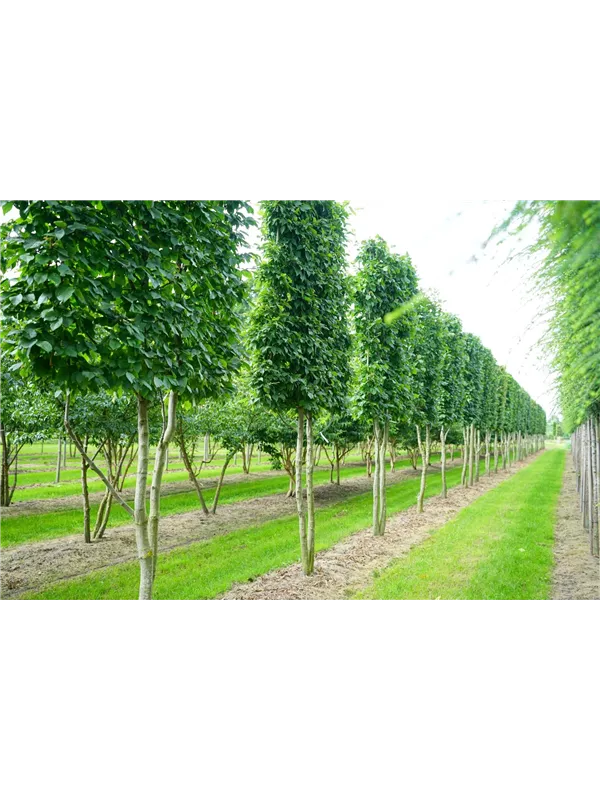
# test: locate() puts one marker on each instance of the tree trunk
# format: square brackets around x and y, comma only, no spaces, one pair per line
[376,481]
[424,462]
[300,493]
[140,514]
[190,471]
[444,492]
[85,496]
[206,447]
[157,476]
[4,498]
[58,461]
[471,453]
[213,509]
[383,481]
[310,497]
[463,476]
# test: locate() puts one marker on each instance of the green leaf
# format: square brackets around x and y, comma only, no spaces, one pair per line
[45,346]
[6,207]
[64,293]
[56,324]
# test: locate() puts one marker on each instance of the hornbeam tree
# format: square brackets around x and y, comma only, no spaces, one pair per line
[473,403]
[134,297]
[427,373]
[384,285]
[27,414]
[298,328]
[451,397]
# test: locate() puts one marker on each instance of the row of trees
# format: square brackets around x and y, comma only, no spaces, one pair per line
[134,319]
[414,366]
[568,240]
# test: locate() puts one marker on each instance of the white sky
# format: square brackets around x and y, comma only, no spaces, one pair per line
[492,297]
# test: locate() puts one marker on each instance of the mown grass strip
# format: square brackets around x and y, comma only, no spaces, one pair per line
[207,569]
[499,547]
[50,525]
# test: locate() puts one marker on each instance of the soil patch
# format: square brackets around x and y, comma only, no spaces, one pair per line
[576,571]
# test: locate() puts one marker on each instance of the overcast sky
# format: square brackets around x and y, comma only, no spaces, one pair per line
[492,297]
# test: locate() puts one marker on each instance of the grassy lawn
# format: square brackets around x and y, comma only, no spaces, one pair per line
[206,569]
[500,547]
[49,525]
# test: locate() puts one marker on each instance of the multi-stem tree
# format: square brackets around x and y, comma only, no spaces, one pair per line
[298,328]
[384,286]
[106,423]
[135,297]
[451,397]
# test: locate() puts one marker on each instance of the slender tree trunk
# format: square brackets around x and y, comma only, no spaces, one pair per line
[337,466]
[471,453]
[157,476]
[141,516]
[376,481]
[477,453]
[463,477]
[382,481]
[85,497]
[58,461]
[444,492]
[4,499]
[191,473]
[215,503]
[424,462]
[300,493]
[310,496]
[206,447]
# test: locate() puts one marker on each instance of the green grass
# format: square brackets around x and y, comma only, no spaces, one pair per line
[95,484]
[499,547]
[207,569]
[50,525]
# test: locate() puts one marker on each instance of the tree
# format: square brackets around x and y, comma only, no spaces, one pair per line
[451,397]
[384,285]
[427,378]
[341,432]
[27,415]
[133,297]
[473,404]
[298,328]
[108,422]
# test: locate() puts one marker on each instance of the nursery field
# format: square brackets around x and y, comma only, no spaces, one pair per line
[187,414]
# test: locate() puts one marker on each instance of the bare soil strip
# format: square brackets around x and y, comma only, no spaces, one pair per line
[348,566]
[34,565]
[576,571]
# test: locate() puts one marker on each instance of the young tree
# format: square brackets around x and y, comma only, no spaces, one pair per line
[129,296]
[473,401]
[298,329]
[340,434]
[451,398]
[27,415]
[107,422]
[384,285]
[426,382]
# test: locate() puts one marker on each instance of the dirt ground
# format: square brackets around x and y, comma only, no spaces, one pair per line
[36,564]
[348,566]
[576,572]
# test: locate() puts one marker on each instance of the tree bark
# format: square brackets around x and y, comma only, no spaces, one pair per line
[444,492]
[157,476]
[213,509]
[424,462]
[58,461]
[376,481]
[310,497]
[471,453]
[85,497]
[141,516]
[300,493]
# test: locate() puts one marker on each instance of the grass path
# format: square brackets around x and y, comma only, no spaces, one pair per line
[209,568]
[499,547]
